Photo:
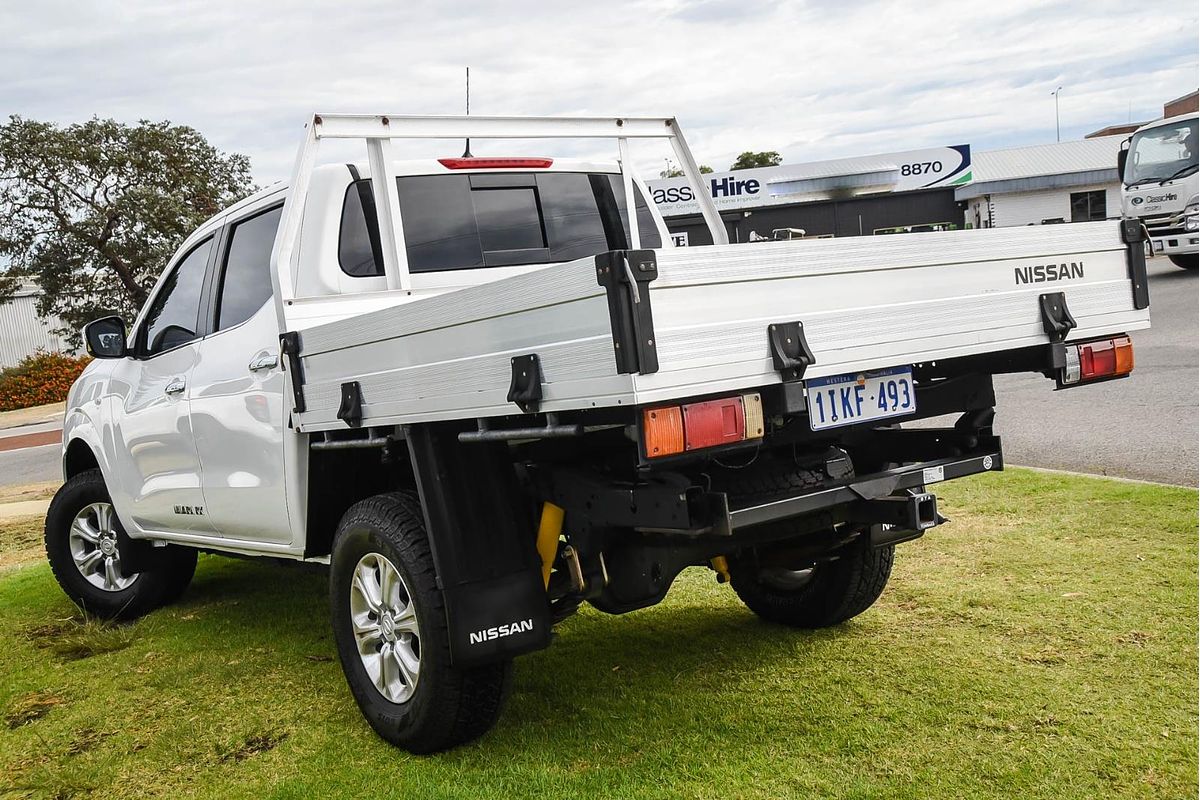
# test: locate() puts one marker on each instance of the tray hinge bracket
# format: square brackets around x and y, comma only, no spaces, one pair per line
[289,346]
[525,388]
[790,352]
[626,276]
[791,356]
[1056,317]
[1135,235]
[350,411]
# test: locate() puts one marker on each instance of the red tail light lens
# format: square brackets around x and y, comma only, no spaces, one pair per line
[713,423]
[495,163]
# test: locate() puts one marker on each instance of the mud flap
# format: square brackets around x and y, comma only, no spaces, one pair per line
[483,544]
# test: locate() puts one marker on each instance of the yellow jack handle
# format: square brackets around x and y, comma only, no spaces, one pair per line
[720,565]
[549,529]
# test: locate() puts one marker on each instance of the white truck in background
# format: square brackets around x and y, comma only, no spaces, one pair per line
[1159,185]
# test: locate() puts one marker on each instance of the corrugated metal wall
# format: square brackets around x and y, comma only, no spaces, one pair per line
[1030,208]
[21,332]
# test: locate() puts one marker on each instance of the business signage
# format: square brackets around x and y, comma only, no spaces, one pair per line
[907,171]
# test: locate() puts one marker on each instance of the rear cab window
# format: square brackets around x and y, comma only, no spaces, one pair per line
[246,277]
[474,220]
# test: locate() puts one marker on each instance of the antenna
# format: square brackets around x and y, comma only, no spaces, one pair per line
[467,150]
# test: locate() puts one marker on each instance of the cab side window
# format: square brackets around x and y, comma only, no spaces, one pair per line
[246,278]
[173,317]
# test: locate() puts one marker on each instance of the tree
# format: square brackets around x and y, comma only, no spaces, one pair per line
[673,171]
[92,212]
[750,160]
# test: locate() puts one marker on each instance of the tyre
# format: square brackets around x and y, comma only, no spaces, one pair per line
[825,593]
[818,593]
[389,623]
[1185,261]
[83,546]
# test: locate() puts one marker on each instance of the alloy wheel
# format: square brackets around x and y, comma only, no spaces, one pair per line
[93,541]
[385,627]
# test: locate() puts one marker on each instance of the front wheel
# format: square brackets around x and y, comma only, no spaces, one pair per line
[83,545]
[389,622]
[1185,261]
[817,595]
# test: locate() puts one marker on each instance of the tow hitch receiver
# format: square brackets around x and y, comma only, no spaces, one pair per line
[911,511]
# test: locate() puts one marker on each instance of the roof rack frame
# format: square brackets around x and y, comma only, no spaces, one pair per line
[378,131]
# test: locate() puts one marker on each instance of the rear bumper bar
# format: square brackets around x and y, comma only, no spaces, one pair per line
[673,506]
[860,491]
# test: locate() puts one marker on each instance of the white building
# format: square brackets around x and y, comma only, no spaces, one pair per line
[21,331]
[1044,184]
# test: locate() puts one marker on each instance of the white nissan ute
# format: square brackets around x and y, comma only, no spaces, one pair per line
[485,391]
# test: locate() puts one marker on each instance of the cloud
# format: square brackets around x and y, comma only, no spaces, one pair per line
[812,80]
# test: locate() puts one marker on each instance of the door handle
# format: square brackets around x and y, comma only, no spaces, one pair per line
[265,361]
[175,386]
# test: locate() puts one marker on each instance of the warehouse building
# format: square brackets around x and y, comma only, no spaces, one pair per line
[920,190]
[22,332]
[1044,184]
[880,194]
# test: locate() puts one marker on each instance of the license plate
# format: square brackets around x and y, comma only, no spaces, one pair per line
[847,399]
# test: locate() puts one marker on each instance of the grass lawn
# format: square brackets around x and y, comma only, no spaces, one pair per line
[1042,645]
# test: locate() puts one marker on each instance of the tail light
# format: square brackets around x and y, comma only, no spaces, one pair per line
[1098,360]
[662,430]
[470,162]
[670,430]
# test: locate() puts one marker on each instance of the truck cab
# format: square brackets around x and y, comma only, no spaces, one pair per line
[1158,170]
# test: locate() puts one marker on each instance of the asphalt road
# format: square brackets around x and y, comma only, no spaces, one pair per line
[31,465]
[1142,427]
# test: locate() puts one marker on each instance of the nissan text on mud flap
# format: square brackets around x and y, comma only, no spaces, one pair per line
[487,390]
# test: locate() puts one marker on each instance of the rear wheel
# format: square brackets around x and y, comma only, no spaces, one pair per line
[801,590]
[1185,261]
[825,593]
[83,545]
[389,621]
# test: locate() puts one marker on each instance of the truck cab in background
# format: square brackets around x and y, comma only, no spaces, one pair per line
[1158,171]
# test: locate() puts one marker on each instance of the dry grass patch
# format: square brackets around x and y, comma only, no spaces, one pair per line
[82,636]
[21,542]
[31,707]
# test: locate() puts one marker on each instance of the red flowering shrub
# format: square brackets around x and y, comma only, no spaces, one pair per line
[39,379]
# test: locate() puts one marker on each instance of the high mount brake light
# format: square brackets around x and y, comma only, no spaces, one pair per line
[495,163]
[670,430]
[1098,360]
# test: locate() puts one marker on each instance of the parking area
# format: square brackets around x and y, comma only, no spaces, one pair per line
[1144,427]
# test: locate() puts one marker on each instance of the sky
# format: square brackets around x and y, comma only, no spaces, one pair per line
[812,80]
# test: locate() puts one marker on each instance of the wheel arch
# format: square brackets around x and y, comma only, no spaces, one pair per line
[78,457]
[82,448]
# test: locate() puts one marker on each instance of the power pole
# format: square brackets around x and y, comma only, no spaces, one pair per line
[1057,130]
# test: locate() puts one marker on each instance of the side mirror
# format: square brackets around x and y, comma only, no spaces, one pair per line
[105,337]
[1122,157]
